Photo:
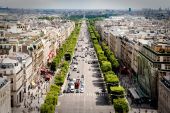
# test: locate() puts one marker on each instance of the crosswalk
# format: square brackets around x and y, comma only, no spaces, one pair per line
[84,94]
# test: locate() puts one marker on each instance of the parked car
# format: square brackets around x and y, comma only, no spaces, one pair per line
[72,88]
[71,83]
[77,91]
[82,90]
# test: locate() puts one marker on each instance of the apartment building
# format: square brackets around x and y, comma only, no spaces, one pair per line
[142,46]
[5,95]
[17,67]
[154,61]
[164,94]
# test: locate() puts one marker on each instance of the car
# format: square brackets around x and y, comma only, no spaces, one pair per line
[82,90]
[103,90]
[68,90]
[72,80]
[71,83]
[82,84]
[77,91]
[64,91]
[72,88]
[74,69]
[68,77]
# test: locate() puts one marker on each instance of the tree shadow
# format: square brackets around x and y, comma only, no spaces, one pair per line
[102,99]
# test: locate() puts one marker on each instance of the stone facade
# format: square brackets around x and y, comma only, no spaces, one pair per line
[5,96]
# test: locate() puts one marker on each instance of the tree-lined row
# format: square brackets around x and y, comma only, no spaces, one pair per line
[51,99]
[52,96]
[67,47]
[108,63]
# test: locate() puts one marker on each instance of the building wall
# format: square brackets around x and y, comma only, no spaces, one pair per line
[5,99]
[163,98]
[147,77]
[115,45]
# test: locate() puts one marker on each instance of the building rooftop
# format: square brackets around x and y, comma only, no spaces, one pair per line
[8,60]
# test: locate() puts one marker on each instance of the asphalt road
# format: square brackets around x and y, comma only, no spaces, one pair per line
[93,100]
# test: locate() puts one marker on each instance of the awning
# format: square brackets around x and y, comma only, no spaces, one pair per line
[134,93]
[141,93]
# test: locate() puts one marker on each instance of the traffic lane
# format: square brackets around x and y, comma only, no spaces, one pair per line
[74,74]
[94,104]
[84,104]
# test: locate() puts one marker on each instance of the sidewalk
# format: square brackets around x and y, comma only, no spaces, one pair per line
[135,110]
[32,101]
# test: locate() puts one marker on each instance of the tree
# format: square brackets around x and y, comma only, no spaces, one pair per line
[117,92]
[109,72]
[112,79]
[106,66]
[113,60]
[101,58]
[121,105]
[46,108]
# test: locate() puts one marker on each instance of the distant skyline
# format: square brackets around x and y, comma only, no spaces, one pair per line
[85,4]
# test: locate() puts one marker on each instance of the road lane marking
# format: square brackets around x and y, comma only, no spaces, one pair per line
[85,94]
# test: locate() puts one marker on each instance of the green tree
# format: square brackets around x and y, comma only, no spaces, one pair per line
[112,79]
[117,92]
[106,66]
[121,105]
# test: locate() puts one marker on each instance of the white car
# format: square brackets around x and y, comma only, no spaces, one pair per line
[72,88]
[82,90]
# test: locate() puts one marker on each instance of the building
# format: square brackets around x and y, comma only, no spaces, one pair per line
[5,96]
[164,94]
[17,67]
[154,60]
[142,45]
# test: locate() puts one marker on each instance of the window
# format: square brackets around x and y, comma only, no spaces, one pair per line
[166,59]
[167,66]
[157,58]
[11,80]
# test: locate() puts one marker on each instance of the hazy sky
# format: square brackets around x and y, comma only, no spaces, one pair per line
[86,4]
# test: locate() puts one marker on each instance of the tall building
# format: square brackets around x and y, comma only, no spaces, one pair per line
[164,94]
[5,96]
[143,47]
[18,70]
[153,61]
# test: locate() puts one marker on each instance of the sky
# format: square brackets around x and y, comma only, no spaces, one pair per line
[85,4]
